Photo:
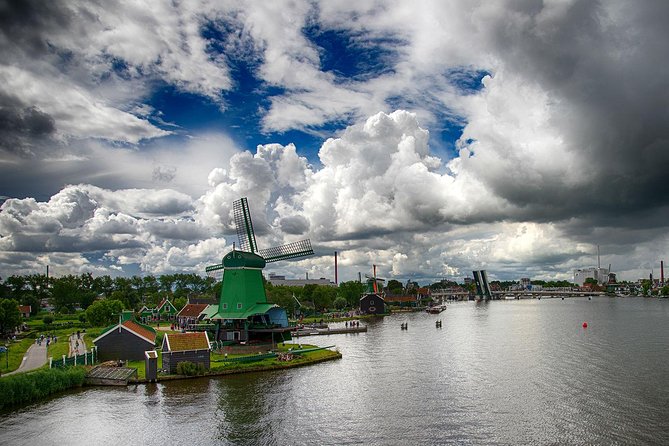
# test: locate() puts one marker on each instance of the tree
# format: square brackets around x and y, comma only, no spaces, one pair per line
[323,297]
[339,303]
[65,293]
[179,303]
[104,312]
[10,317]
[351,291]
[282,296]
[395,287]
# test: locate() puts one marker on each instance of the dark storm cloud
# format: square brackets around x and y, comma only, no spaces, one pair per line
[23,23]
[294,225]
[605,67]
[23,129]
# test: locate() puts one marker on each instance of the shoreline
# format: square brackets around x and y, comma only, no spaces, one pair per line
[236,371]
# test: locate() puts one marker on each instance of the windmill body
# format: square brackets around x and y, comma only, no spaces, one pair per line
[243,311]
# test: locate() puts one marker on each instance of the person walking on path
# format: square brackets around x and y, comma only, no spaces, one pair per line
[77,344]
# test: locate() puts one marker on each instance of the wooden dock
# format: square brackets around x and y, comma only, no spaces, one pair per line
[328,331]
[110,376]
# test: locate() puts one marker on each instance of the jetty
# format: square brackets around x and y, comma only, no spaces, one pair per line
[110,376]
[328,331]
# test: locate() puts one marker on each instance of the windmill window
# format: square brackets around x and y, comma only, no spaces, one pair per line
[239,306]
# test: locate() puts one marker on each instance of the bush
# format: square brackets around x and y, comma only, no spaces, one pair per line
[25,388]
[189,369]
[82,318]
[48,319]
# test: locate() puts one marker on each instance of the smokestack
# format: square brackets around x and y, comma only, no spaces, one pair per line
[307,273]
[598,263]
[359,277]
[336,278]
[662,272]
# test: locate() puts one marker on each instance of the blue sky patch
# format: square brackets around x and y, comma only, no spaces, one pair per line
[349,57]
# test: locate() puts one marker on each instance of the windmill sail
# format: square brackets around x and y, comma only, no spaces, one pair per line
[288,251]
[245,234]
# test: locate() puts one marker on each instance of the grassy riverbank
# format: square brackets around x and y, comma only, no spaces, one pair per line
[26,388]
[219,365]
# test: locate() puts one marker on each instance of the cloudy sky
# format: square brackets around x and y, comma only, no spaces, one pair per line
[430,138]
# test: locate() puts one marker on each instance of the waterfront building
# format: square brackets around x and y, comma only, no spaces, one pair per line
[185,347]
[127,340]
[601,275]
[372,300]
[372,304]
[278,280]
[243,311]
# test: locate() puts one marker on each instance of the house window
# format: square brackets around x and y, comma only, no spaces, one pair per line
[239,306]
[371,302]
[372,309]
[225,306]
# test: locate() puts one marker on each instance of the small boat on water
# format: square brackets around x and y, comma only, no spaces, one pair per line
[436,309]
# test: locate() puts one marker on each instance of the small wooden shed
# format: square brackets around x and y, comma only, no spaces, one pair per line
[185,347]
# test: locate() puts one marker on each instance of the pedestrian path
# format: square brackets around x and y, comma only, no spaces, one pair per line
[34,358]
[77,344]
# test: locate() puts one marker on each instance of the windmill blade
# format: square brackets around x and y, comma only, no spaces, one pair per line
[244,225]
[211,268]
[288,251]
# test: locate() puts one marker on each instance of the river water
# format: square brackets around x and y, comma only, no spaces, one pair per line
[496,373]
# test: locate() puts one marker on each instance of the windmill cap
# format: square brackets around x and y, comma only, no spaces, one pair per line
[239,259]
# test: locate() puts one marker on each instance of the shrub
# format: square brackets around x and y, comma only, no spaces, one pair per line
[189,369]
[28,387]
[48,319]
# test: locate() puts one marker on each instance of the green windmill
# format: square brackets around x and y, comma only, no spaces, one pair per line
[243,311]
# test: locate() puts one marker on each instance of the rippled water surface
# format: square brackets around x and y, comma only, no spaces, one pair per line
[503,372]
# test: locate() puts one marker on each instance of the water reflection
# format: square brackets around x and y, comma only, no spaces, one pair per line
[512,372]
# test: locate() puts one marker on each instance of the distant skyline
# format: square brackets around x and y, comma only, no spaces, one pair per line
[430,138]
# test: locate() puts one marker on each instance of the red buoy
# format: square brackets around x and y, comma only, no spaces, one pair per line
[585,325]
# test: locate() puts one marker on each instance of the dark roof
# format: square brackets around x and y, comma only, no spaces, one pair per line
[178,342]
[192,310]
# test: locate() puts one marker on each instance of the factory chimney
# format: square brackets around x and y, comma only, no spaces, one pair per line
[336,278]
[662,272]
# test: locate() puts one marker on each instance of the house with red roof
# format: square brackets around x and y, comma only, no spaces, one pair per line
[185,347]
[127,340]
[25,311]
[190,314]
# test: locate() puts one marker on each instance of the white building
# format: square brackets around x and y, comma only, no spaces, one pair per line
[601,275]
[277,280]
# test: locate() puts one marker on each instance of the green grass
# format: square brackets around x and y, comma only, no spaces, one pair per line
[141,365]
[28,387]
[17,350]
